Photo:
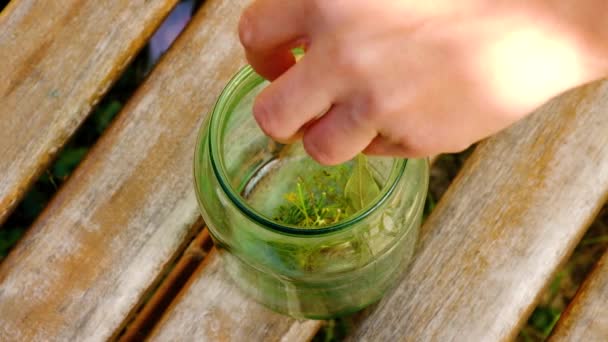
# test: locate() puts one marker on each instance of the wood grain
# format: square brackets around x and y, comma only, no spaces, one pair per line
[129,209]
[514,213]
[212,308]
[586,318]
[57,58]
[169,287]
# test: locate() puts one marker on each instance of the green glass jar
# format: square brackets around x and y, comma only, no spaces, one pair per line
[242,177]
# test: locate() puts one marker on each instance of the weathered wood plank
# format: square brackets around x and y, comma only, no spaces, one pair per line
[212,308]
[129,208]
[169,287]
[514,213]
[57,58]
[586,318]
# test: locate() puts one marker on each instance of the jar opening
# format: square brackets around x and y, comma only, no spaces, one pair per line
[223,162]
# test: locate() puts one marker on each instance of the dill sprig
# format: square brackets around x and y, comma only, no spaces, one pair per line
[317,200]
[329,196]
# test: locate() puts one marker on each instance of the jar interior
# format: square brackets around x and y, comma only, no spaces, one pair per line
[264,173]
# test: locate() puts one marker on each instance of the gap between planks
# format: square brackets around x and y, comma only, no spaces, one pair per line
[586,318]
[162,292]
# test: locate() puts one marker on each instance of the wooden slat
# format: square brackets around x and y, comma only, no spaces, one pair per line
[212,308]
[169,287]
[56,60]
[586,318]
[514,213]
[129,209]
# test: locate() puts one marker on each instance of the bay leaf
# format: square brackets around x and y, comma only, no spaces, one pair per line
[361,188]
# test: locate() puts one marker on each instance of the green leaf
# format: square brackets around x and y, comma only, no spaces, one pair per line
[104,115]
[67,161]
[361,188]
[34,201]
[544,319]
[555,285]
[8,237]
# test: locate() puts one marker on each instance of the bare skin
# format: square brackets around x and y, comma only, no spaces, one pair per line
[414,78]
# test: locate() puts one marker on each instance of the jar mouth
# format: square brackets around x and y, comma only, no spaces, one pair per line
[248,79]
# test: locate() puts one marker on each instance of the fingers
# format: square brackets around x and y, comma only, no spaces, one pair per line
[381,146]
[268,29]
[338,136]
[301,94]
[271,65]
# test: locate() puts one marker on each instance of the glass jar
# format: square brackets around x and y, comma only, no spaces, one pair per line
[241,176]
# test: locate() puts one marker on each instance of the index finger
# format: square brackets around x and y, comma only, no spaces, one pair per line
[268,29]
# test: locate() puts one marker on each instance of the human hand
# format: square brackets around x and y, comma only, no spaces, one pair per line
[406,77]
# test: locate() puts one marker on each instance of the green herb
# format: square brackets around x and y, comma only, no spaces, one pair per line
[313,205]
[329,196]
[361,188]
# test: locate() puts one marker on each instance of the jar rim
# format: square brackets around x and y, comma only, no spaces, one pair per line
[228,96]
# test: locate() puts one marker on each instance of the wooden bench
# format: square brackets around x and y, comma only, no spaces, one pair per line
[587,316]
[120,252]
